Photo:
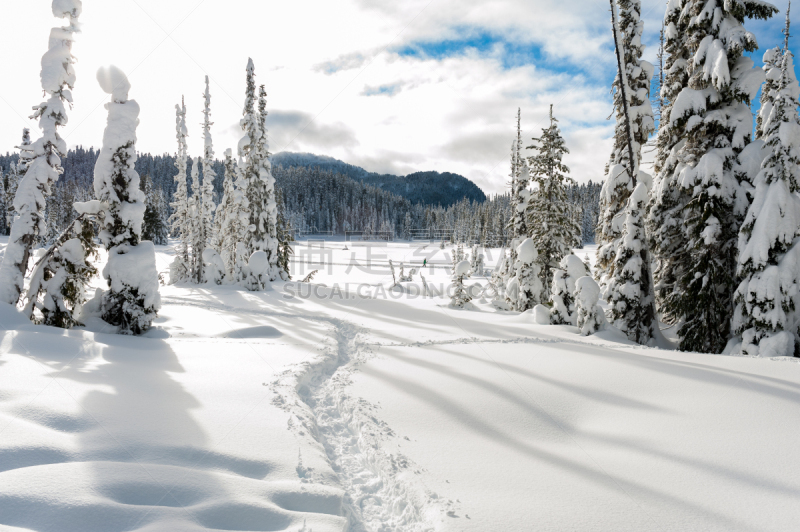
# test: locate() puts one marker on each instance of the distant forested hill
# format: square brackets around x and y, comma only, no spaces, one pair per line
[427,188]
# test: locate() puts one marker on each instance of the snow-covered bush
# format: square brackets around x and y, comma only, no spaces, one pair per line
[562,293]
[58,80]
[590,317]
[213,267]
[258,269]
[132,301]
[461,296]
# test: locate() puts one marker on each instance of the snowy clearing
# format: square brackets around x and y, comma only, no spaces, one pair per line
[311,407]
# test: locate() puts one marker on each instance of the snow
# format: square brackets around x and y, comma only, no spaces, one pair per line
[526,252]
[462,268]
[134,267]
[113,81]
[304,407]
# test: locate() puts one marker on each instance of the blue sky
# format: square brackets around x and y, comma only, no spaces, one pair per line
[392,86]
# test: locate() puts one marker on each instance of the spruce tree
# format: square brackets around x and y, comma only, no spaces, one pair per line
[768,252]
[206,203]
[257,175]
[132,301]
[715,105]
[638,117]
[58,80]
[197,224]
[548,217]
[181,267]
[667,240]
[232,217]
[154,227]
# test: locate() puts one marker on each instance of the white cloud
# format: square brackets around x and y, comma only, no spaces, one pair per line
[335,85]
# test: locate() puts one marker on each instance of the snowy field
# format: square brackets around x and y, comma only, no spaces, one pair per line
[343,405]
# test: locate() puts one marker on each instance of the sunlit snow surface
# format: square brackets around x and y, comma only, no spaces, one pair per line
[355,406]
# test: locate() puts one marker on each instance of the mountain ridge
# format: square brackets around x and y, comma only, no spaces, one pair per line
[428,188]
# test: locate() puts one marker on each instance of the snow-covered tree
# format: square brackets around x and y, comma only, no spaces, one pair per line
[285,239]
[4,225]
[181,267]
[206,205]
[590,317]
[629,293]
[636,115]
[665,219]
[461,295]
[232,218]
[58,79]
[520,194]
[154,227]
[549,221]
[197,240]
[769,254]
[562,311]
[60,279]
[257,176]
[132,301]
[718,125]
[524,290]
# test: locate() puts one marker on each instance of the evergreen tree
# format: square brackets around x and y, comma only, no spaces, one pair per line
[638,118]
[197,224]
[4,227]
[590,317]
[58,79]
[232,218]
[154,227]
[206,204]
[665,218]
[630,297]
[549,220]
[768,252]
[132,301]
[715,104]
[60,280]
[285,239]
[562,295]
[524,290]
[181,267]
[258,179]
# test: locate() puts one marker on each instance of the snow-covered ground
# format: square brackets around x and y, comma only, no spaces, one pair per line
[343,405]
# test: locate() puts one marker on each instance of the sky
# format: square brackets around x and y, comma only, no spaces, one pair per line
[394,87]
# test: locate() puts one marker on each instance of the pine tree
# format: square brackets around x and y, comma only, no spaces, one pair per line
[665,218]
[59,282]
[285,239]
[549,220]
[258,179]
[461,295]
[132,301]
[206,204]
[181,267]
[3,204]
[232,218]
[638,117]
[520,193]
[197,224]
[524,290]
[768,253]
[562,295]
[590,317]
[58,79]
[715,105]
[154,227]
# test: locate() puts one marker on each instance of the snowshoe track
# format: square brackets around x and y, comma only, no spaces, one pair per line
[381,491]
